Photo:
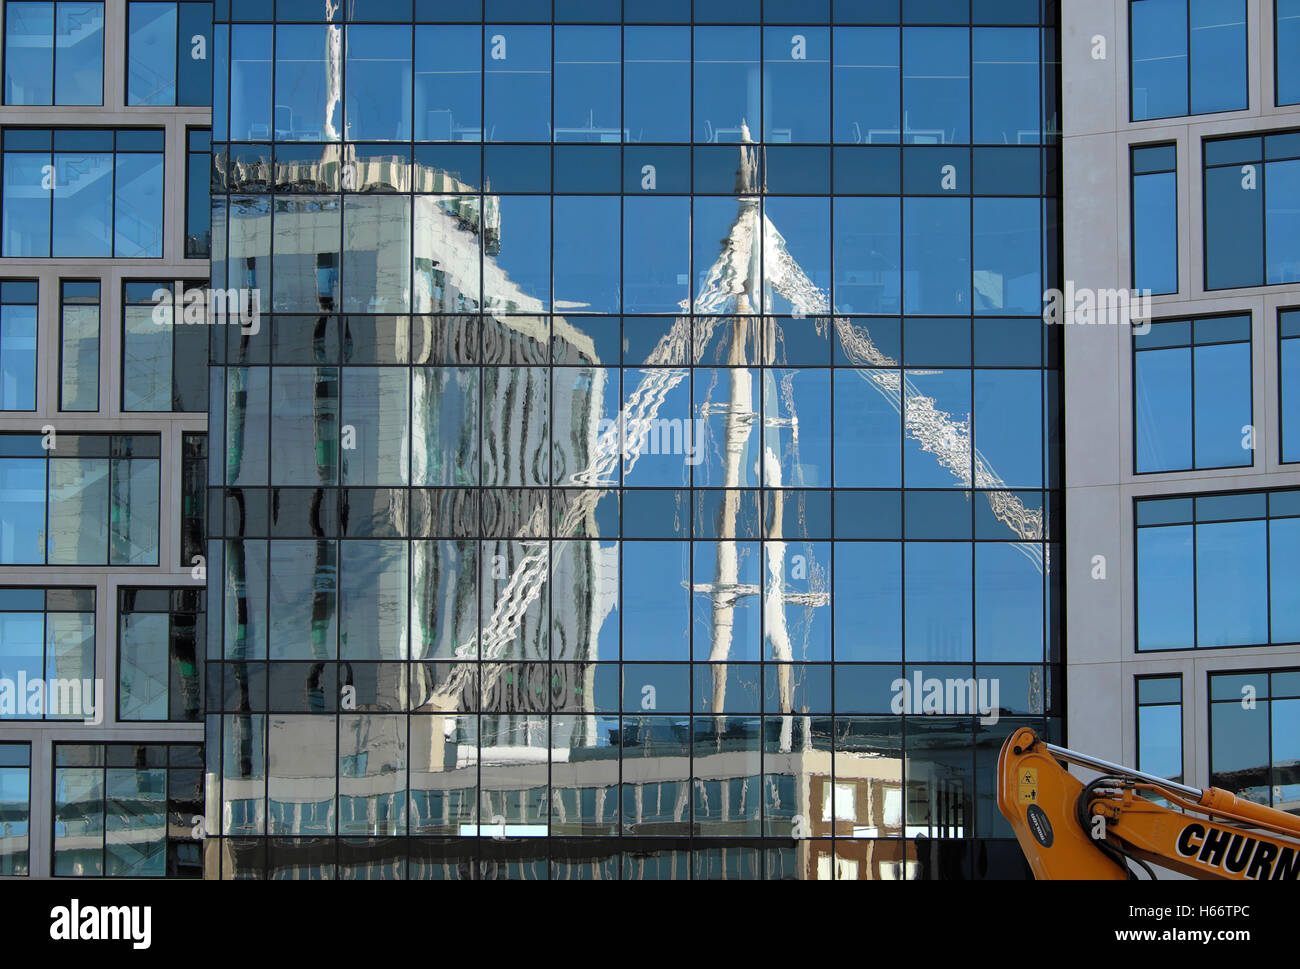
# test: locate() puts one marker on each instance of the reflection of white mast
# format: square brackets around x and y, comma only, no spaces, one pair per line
[333,69]
[731,285]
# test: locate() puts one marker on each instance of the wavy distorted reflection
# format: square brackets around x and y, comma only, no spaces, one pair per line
[510,728]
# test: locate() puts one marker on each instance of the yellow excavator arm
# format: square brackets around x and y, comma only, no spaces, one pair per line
[1068,829]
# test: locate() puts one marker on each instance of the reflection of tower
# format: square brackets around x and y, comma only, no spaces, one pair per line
[333,70]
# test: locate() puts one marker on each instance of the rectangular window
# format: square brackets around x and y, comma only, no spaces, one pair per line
[1255,736]
[127,810]
[167,53]
[198,202]
[79,345]
[1187,57]
[164,346]
[159,646]
[1160,726]
[194,496]
[1192,395]
[1252,210]
[17,344]
[47,654]
[1218,570]
[54,53]
[15,807]
[79,499]
[1155,218]
[1286,41]
[1288,325]
[83,193]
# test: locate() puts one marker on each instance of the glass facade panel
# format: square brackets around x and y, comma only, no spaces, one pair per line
[1286,35]
[1192,395]
[1251,234]
[15,803]
[1212,574]
[128,810]
[1160,726]
[83,193]
[17,345]
[47,641]
[1187,57]
[1253,753]
[168,52]
[92,500]
[54,52]
[79,345]
[629,416]
[1289,380]
[1155,219]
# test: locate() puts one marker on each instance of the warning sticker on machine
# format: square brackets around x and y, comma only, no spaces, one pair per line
[1028,785]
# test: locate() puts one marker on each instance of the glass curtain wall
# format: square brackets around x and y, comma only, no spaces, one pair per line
[643,416]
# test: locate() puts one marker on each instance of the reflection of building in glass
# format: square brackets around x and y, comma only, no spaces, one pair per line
[541,553]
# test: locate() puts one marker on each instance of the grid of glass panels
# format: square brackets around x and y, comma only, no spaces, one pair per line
[1252,210]
[15,807]
[47,655]
[1255,736]
[1218,570]
[128,810]
[159,653]
[79,499]
[1192,400]
[82,193]
[168,59]
[1187,57]
[54,52]
[165,345]
[624,433]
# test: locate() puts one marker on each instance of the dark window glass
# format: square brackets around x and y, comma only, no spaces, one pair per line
[1250,211]
[1192,395]
[1228,578]
[1254,723]
[1289,381]
[1155,219]
[1188,57]
[198,204]
[160,646]
[1286,27]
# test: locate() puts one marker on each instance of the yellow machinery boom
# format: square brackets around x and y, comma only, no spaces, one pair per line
[1068,829]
